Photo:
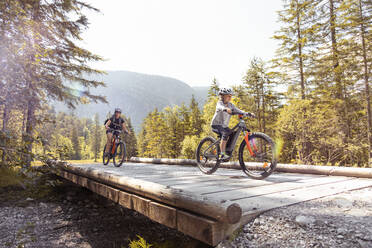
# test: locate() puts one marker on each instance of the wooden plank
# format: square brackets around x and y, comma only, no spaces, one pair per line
[125,199]
[201,188]
[118,178]
[200,228]
[220,187]
[112,194]
[248,192]
[163,214]
[83,181]
[275,200]
[140,204]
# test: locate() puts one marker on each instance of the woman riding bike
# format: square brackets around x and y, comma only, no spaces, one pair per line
[113,124]
[221,118]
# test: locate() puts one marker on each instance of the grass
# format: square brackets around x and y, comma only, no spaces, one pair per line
[85,161]
[10,177]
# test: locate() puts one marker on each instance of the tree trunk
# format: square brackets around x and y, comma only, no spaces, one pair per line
[299,38]
[24,120]
[335,57]
[30,124]
[5,122]
[368,100]
[263,106]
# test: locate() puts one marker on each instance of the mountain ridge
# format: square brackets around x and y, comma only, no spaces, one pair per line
[137,94]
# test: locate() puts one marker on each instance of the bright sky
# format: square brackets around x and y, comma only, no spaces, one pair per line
[191,40]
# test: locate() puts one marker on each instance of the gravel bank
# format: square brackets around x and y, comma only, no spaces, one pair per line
[72,216]
[343,220]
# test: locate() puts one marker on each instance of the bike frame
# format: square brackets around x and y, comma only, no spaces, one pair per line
[115,136]
[238,129]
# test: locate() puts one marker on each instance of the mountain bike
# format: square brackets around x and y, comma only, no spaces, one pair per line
[257,156]
[117,151]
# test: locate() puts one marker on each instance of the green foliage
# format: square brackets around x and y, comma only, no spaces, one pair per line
[140,243]
[41,61]
[189,145]
[9,176]
[131,140]
[163,133]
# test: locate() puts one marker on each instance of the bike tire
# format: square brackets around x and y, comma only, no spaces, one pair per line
[105,158]
[203,166]
[256,171]
[119,155]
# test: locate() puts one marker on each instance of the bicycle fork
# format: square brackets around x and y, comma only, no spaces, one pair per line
[250,142]
[113,147]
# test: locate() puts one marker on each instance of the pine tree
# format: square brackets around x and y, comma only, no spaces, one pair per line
[131,140]
[259,85]
[213,89]
[44,54]
[196,121]
[295,36]
[75,144]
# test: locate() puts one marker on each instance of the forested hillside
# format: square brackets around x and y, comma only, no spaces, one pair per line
[136,94]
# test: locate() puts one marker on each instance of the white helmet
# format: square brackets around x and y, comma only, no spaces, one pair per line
[225,91]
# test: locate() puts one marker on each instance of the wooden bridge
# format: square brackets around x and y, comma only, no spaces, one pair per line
[206,207]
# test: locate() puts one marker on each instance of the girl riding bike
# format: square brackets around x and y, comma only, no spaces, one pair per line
[112,124]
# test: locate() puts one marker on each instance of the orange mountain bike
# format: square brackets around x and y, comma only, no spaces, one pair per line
[257,156]
[117,151]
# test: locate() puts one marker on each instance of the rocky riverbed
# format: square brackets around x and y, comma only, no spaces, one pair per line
[70,216]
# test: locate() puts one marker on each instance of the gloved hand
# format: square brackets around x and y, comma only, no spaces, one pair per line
[252,115]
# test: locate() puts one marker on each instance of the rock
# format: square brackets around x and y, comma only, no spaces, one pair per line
[71,193]
[340,236]
[250,236]
[58,209]
[69,198]
[364,244]
[342,202]
[304,220]
[341,231]
[224,244]
[29,199]
[43,205]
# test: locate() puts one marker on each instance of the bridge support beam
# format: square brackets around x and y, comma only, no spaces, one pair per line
[203,228]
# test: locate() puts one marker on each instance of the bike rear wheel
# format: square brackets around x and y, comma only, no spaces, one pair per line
[263,161]
[120,154]
[105,157]
[207,155]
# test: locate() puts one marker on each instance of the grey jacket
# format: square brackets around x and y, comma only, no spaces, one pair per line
[221,117]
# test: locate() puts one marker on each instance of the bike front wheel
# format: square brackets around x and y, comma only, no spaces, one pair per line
[207,155]
[259,160]
[105,157]
[120,154]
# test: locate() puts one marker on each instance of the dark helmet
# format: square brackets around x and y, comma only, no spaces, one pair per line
[226,91]
[118,110]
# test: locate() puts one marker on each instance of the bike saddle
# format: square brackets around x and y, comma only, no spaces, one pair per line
[217,132]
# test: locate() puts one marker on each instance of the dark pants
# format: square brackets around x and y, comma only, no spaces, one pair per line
[225,132]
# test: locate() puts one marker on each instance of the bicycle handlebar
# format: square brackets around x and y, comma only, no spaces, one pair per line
[250,115]
[116,130]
